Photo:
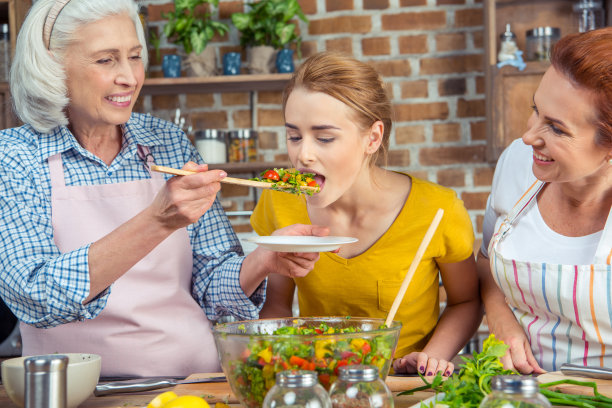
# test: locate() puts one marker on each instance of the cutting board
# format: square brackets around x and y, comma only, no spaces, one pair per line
[603,386]
[221,392]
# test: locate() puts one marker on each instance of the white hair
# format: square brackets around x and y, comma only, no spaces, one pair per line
[37,77]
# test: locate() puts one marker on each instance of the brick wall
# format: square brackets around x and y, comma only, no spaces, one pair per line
[430,53]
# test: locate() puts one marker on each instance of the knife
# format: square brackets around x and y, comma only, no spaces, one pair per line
[587,371]
[147,384]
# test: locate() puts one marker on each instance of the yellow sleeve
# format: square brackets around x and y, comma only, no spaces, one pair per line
[458,233]
[276,210]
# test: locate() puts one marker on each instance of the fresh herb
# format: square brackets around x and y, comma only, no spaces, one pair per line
[596,400]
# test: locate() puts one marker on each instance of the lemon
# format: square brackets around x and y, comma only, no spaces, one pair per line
[161,399]
[186,401]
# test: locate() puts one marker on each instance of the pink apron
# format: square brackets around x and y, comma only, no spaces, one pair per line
[151,325]
[566,310]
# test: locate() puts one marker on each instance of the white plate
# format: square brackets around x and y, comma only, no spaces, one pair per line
[428,401]
[300,243]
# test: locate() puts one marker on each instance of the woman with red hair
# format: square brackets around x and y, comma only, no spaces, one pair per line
[545,261]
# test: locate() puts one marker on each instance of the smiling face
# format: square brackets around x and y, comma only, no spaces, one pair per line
[322,138]
[562,133]
[104,73]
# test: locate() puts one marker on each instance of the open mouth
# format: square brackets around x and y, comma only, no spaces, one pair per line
[319,178]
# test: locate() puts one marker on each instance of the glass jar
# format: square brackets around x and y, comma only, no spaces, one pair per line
[242,145]
[212,145]
[297,389]
[509,391]
[5,52]
[540,41]
[588,15]
[360,386]
[507,47]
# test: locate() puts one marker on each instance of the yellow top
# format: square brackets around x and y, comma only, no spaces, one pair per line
[366,285]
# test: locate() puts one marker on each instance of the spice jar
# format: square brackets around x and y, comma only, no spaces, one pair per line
[297,389]
[589,15]
[359,386]
[540,41]
[212,145]
[45,381]
[511,391]
[508,46]
[242,145]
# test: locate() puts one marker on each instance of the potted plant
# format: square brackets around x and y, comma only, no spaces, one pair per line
[193,29]
[267,27]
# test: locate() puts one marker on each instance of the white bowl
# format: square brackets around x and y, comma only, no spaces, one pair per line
[82,375]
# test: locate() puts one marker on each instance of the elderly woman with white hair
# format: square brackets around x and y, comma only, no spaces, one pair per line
[98,253]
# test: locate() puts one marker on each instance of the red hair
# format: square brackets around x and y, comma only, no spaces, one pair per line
[586,59]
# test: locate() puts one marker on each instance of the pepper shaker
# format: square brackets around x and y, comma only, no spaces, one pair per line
[45,381]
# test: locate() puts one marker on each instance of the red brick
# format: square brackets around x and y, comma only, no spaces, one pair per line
[436,156]
[242,228]
[399,158]
[338,5]
[376,46]
[308,6]
[270,117]
[478,130]
[470,108]
[451,86]
[392,68]
[424,20]
[308,48]
[478,39]
[450,42]
[410,134]
[475,201]
[155,11]
[451,177]
[479,223]
[232,190]
[423,175]
[412,3]
[242,119]
[421,111]
[164,102]
[483,176]
[414,89]
[234,98]
[209,120]
[451,65]
[270,97]
[268,140]
[227,8]
[281,157]
[344,44]
[469,18]
[449,2]
[480,84]
[200,100]
[342,24]
[446,132]
[375,4]
[413,44]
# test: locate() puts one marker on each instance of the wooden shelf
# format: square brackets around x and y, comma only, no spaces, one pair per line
[220,83]
[248,167]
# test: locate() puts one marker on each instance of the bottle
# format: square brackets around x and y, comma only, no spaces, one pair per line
[511,391]
[45,381]
[589,15]
[211,145]
[5,52]
[360,386]
[297,389]
[508,48]
[242,145]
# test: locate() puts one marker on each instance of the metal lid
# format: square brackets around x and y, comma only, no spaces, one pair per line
[297,378]
[544,32]
[242,134]
[210,134]
[46,364]
[4,28]
[515,384]
[358,372]
[508,34]
[587,5]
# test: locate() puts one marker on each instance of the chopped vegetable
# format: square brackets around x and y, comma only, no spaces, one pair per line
[288,180]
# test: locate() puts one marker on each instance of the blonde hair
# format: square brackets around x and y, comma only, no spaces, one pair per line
[37,77]
[352,82]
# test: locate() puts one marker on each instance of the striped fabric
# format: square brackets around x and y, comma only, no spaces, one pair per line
[566,310]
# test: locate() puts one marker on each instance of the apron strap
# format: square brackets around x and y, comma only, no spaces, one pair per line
[147,158]
[603,255]
[56,171]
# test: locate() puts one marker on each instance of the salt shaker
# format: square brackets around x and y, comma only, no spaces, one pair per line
[45,381]
[510,391]
[297,389]
[360,386]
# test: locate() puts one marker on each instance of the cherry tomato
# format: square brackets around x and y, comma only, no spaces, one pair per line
[271,175]
[313,184]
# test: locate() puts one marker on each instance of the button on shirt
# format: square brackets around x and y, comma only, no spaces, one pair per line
[44,287]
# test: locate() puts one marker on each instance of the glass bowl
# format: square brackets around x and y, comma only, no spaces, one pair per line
[253,351]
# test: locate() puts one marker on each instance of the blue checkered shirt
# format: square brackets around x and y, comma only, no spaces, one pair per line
[44,287]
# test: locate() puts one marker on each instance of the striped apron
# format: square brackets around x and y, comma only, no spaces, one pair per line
[565,310]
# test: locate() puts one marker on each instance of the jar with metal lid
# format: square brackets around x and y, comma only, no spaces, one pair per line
[509,391]
[45,381]
[242,145]
[540,41]
[5,52]
[588,15]
[212,145]
[360,386]
[297,389]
